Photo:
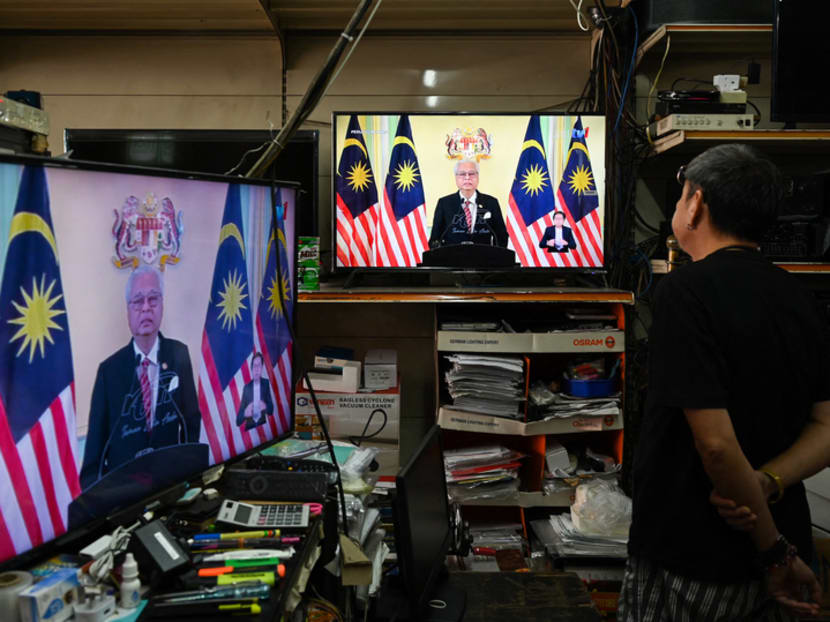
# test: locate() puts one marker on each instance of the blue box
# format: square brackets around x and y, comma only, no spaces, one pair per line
[601,387]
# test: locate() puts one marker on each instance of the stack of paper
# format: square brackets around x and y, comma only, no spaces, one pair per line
[567,541]
[477,473]
[492,385]
[564,406]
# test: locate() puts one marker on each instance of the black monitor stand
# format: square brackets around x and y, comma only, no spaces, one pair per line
[447,603]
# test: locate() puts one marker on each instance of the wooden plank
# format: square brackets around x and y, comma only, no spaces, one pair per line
[492,296]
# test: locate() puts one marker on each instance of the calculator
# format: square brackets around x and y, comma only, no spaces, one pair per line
[278,515]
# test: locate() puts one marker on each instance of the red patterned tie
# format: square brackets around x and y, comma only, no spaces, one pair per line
[146,392]
[469,215]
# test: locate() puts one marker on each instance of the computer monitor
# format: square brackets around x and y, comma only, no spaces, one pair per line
[142,337]
[536,184]
[423,533]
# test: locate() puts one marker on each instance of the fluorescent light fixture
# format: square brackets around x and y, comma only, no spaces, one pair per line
[432,101]
[430,78]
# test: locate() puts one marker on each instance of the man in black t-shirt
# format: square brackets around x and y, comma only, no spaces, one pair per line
[739,384]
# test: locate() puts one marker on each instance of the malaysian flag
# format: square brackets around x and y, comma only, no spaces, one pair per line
[580,201]
[227,341]
[402,233]
[532,203]
[357,201]
[273,339]
[38,444]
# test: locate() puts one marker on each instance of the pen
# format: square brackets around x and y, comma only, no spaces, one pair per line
[249,554]
[234,535]
[239,542]
[206,608]
[216,571]
[251,589]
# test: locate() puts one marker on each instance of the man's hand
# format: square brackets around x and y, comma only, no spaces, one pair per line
[791,584]
[741,517]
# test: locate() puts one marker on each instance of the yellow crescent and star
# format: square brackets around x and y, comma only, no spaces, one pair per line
[535,177]
[232,294]
[358,176]
[406,174]
[581,179]
[38,308]
[274,287]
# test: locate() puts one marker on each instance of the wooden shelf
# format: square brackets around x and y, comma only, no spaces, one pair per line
[434,295]
[695,141]
[560,499]
[725,38]
[805,268]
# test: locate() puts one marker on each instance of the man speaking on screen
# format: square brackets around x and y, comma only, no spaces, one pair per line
[467,215]
[144,396]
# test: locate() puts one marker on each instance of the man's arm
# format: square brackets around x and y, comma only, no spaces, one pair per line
[809,454]
[729,470]
[733,476]
[438,226]
[498,224]
[190,403]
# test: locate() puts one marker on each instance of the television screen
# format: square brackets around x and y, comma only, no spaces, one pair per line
[141,335]
[422,520]
[406,183]
[799,39]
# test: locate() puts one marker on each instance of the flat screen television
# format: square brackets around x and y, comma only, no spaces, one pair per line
[536,185]
[423,534]
[142,337]
[208,151]
[799,40]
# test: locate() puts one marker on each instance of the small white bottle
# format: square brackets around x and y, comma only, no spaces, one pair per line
[130,584]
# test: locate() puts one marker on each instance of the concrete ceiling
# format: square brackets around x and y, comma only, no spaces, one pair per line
[263,16]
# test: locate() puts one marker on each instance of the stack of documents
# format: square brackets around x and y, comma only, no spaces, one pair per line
[564,406]
[492,385]
[561,538]
[477,473]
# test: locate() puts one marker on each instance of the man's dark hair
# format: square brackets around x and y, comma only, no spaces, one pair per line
[742,189]
[257,355]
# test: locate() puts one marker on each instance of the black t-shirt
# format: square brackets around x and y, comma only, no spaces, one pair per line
[730,331]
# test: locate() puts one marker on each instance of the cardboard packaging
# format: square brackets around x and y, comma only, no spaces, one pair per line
[380,369]
[347,413]
[53,598]
[345,379]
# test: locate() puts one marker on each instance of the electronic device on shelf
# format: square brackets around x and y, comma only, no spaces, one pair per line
[393,168]
[271,516]
[798,95]
[94,225]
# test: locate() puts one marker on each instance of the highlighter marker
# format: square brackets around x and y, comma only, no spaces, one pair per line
[239,577]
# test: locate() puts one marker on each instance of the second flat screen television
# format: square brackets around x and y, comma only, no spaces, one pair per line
[405,183]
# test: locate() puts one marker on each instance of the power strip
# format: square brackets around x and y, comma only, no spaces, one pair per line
[679,121]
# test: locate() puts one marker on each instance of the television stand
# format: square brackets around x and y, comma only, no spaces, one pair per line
[401,278]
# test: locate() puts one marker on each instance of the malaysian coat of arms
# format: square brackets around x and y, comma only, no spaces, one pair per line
[147,232]
[469,144]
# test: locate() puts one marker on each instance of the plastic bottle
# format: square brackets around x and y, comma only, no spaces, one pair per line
[130,584]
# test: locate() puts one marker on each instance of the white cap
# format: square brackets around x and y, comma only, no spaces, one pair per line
[129,570]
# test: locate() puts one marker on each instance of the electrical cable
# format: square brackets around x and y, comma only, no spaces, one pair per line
[654,86]
[312,95]
[288,324]
[755,123]
[579,18]
[630,70]
[363,436]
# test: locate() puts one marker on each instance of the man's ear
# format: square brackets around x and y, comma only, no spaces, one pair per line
[696,208]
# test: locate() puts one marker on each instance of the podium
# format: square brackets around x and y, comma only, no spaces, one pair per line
[138,478]
[469,256]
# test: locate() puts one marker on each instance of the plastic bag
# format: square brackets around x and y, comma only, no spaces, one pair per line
[601,509]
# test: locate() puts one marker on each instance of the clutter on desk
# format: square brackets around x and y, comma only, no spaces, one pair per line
[308,263]
[380,369]
[489,384]
[567,468]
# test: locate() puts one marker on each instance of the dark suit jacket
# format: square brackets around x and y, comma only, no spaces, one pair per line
[248,397]
[117,430]
[567,236]
[449,225]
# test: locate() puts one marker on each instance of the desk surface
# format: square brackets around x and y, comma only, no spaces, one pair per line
[526,596]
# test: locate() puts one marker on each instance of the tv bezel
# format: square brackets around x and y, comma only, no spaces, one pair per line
[345,270]
[120,515]
[404,544]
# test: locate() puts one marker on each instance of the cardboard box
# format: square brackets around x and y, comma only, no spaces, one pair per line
[346,414]
[53,598]
[345,379]
[380,369]
[610,340]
